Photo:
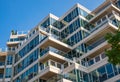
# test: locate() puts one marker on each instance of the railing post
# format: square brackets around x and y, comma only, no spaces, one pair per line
[55,64]
[107,18]
[49,62]
[62,67]
[74,59]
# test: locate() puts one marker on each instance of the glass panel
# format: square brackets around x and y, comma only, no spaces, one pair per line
[109,70]
[59,65]
[97,58]
[103,55]
[65,64]
[52,63]
[8,73]
[91,62]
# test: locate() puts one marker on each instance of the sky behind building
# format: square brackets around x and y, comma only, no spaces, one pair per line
[22,15]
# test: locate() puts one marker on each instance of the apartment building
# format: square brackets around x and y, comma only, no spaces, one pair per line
[70,48]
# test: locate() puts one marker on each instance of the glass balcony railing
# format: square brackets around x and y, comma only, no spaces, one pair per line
[95,44]
[50,63]
[2,63]
[55,78]
[43,52]
[70,76]
[11,49]
[111,19]
[50,32]
[93,60]
[55,36]
[45,29]
[98,26]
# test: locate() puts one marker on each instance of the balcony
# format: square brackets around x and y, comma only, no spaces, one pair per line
[93,60]
[70,77]
[95,44]
[107,26]
[59,78]
[102,29]
[49,69]
[47,31]
[12,42]
[52,50]
[67,77]
[55,78]
[52,53]
[11,50]
[54,42]
[96,50]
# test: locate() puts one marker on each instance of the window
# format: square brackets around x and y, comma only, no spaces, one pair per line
[8,73]
[29,47]
[26,62]
[118,81]
[9,59]
[27,75]
[109,70]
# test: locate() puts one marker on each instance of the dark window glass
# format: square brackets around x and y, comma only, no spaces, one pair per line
[97,58]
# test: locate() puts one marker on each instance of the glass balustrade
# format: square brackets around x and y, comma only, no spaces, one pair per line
[111,19]
[59,77]
[55,78]
[70,76]
[93,60]
[49,30]
[50,63]
[43,52]
[95,44]
[55,36]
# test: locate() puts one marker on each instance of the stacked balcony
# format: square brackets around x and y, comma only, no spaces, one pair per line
[93,60]
[54,54]
[96,42]
[52,62]
[52,41]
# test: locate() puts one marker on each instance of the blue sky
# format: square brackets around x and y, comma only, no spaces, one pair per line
[26,14]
